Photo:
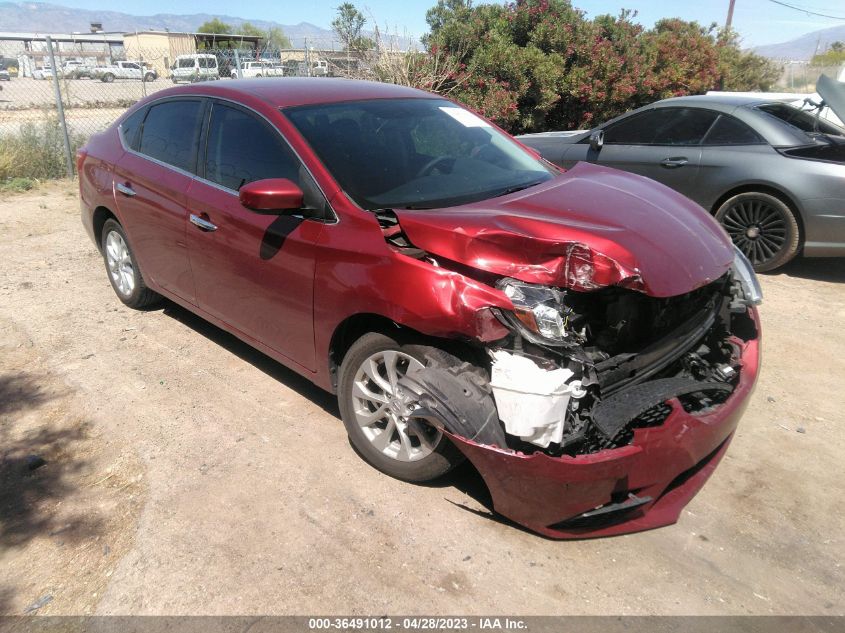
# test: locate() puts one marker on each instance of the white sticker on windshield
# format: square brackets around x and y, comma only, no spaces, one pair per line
[465,117]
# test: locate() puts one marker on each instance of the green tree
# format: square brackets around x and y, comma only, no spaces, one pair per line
[247,28]
[275,39]
[533,65]
[833,56]
[348,25]
[214,26]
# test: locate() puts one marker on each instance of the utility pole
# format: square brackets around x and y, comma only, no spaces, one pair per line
[730,15]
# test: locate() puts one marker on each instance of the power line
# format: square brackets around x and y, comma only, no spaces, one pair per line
[807,11]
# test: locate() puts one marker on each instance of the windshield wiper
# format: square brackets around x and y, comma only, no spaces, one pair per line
[516,188]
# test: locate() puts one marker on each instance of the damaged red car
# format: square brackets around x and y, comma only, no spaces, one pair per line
[587,339]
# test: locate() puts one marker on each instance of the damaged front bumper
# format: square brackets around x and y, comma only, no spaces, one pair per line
[642,485]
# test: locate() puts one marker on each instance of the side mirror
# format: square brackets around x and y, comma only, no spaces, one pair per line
[273,196]
[596,140]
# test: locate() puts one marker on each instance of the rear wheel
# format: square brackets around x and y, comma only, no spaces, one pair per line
[763,227]
[124,275]
[108,78]
[149,77]
[377,418]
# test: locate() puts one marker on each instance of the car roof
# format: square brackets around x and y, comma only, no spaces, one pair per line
[725,103]
[283,92]
[744,107]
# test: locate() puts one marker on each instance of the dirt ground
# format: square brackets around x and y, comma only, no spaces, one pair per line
[188,474]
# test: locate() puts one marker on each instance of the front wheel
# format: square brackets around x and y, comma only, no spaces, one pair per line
[377,418]
[123,271]
[763,227]
[149,77]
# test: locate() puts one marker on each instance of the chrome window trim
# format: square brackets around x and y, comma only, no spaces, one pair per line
[194,176]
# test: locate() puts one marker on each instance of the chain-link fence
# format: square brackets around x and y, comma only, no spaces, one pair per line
[801,76]
[57,94]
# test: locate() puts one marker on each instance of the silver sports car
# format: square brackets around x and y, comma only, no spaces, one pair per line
[773,174]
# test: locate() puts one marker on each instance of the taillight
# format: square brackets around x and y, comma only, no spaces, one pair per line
[81,154]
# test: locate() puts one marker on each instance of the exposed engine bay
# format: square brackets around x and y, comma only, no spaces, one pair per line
[581,371]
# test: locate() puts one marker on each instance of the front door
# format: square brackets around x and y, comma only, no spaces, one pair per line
[663,144]
[255,272]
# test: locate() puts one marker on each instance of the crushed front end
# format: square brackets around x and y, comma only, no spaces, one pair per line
[614,406]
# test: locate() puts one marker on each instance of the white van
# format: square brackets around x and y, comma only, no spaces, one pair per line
[197,67]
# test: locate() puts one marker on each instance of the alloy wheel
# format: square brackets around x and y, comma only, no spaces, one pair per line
[758,228]
[384,412]
[120,264]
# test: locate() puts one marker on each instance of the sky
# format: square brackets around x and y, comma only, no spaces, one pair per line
[757,21]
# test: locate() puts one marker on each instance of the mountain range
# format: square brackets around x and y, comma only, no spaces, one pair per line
[54,18]
[45,17]
[804,47]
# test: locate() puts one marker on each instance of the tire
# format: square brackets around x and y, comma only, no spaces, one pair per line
[108,78]
[149,77]
[126,280]
[174,80]
[764,227]
[430,462]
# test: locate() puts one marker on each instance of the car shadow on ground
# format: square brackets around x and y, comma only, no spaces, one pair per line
[830,269]
[465,478]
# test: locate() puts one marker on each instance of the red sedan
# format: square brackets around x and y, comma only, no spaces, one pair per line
[588,339]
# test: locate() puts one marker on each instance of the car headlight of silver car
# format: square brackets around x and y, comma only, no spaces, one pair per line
[743,272]
[539,312]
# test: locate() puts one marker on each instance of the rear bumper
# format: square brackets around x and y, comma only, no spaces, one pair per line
[667,464]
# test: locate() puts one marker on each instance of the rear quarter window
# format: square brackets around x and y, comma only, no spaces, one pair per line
[130,127]
[731,131]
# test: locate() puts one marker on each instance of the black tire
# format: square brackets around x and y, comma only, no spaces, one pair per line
[445,455]
[174,80]
[764,227]
[149,77]
[140,296]
[108,78]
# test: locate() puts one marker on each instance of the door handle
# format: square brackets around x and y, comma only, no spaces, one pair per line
[126,190]
[672,163]
[205,225]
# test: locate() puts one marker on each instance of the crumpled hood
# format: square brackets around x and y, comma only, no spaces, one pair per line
[652,233]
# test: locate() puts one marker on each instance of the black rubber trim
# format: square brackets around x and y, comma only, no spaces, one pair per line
[613,414]
[629,369]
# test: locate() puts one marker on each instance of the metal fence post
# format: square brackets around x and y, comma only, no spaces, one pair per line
[60,107]
[238,64]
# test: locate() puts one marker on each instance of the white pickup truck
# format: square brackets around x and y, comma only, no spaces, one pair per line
[124,70]
[259,69]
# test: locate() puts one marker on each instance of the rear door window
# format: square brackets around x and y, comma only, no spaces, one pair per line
[170,132]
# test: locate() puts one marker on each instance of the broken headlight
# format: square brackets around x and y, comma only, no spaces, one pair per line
[539,313]
[743,272]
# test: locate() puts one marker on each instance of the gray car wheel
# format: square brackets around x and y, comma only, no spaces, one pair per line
[763,227]
[123,271]
[377,416]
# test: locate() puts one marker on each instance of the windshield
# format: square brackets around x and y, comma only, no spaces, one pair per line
[415,153]
[804,120]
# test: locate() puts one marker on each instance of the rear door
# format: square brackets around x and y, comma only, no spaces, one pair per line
[151,181]
[255,272]
[662,143]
